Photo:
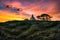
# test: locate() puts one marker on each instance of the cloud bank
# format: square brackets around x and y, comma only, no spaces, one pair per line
[29,7]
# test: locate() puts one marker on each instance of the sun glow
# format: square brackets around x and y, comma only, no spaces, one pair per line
[8,17]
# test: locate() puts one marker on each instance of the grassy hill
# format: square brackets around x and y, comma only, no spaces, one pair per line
[30,30]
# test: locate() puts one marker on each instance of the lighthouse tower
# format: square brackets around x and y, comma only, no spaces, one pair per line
[32,18]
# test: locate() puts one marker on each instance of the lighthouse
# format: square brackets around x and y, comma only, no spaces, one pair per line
[32,18]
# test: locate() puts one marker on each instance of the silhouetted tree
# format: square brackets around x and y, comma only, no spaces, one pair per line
[44,17]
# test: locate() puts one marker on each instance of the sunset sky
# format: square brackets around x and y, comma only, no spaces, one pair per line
[27,8]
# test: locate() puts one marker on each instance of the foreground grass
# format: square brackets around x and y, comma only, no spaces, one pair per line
[29,30]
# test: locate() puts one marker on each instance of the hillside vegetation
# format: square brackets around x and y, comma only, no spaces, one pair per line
[30,30]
